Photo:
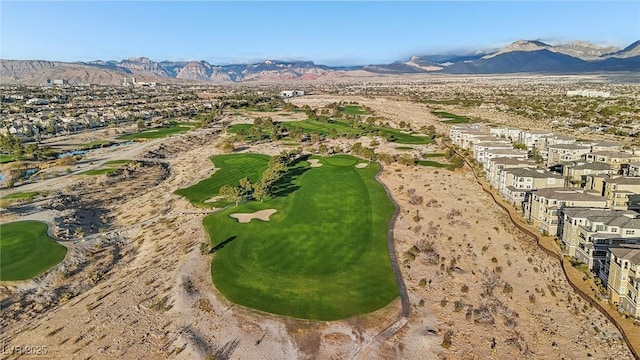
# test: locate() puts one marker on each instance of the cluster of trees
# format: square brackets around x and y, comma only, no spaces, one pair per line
[363,151]
[456,160]
[13,145]
[263,188]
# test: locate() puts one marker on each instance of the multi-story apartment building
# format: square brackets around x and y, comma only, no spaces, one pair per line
[576,172]
[456,132]
[623,278]
[586,233]
[533,138]
[489,155]
[543,207]
[481,148]
[560,153]
[514,184]
[606,146]
[615,188]
[612,157]
[506,132]
[495,166]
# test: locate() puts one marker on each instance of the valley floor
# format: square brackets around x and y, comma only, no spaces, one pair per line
[141,288]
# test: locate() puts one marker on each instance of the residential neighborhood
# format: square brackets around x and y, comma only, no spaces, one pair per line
[580,192]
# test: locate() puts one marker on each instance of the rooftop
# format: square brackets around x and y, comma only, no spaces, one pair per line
[570,194]
[629,252]
[534,173]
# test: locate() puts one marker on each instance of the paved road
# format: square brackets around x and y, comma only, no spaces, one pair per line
[365,351]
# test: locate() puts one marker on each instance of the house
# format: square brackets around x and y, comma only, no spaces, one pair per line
[623,278]
[560,153]
[543,207]
[514,184]
[576,172]
[291,93]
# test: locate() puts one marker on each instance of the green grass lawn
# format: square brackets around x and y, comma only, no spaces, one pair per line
[27,251]
[157,133]
[21,195]
[5,158]
[450,118]
[118,162]
[231,168]
[353,110]
[432,164]
[433,155]
[322,256]
[93,144]
[98,171]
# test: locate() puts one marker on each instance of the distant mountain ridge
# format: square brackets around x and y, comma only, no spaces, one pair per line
[520,56]
[526,56]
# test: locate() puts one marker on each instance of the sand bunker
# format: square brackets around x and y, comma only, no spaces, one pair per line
[315,162]
[213,199]
[260,215]
[361,165]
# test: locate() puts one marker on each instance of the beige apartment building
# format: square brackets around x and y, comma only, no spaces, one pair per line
[495,166]
[560,153]
[623,278]
[514,184]
[575,173]
[612,157]
[615,188]
[543,207]
[587,234]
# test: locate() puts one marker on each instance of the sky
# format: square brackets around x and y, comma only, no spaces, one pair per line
[326,32]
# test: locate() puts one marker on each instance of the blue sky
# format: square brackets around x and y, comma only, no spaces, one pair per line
[332,33]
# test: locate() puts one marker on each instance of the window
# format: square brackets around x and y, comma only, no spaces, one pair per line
[599,227]
[629,232]
[614,229]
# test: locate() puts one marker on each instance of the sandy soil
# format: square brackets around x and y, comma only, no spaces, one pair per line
[142,289]
[260,215]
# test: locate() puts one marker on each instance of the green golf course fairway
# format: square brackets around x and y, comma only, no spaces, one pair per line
[26,250]
[323,255]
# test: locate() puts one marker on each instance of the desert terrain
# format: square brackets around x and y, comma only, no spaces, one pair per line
[135,284]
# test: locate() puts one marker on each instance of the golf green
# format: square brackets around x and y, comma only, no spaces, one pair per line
[323,255]
[231,168]
[26,250]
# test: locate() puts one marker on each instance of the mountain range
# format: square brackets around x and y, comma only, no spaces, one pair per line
[523,56]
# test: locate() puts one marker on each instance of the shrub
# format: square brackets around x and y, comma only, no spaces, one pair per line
[447,339]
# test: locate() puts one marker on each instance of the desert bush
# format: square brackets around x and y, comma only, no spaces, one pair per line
[447,339]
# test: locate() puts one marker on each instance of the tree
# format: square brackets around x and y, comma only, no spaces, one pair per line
[227,146]
[260,191]
[315,138]
[323,149]
[231,193]
[406,159]
[140,124]
[246,187]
